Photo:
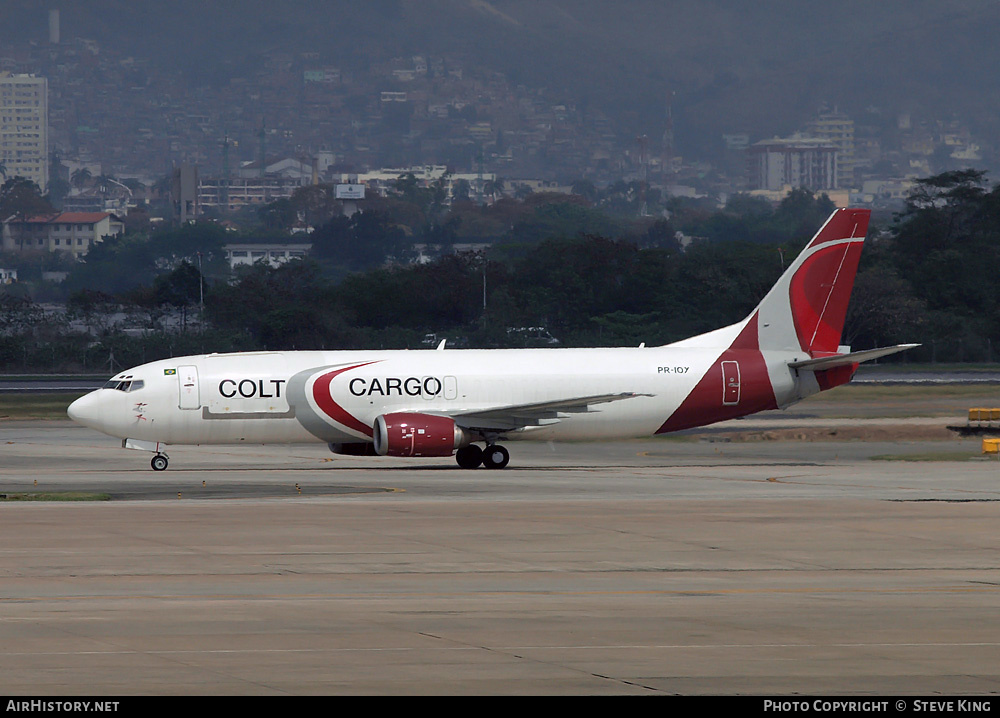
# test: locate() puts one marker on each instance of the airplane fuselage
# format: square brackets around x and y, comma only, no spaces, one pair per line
[335,397]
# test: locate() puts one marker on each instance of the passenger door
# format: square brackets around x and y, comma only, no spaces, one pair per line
[187,381]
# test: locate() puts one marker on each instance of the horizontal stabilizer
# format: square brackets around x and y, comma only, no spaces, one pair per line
[846,359]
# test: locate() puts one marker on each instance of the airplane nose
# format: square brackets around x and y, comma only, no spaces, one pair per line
[85,410]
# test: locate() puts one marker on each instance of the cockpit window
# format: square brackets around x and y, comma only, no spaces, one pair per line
[126,384]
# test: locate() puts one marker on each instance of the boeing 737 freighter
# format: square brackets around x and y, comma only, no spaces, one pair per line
[442,402]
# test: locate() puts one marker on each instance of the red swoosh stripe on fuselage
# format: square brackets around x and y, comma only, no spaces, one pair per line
[704,405]
[324,400]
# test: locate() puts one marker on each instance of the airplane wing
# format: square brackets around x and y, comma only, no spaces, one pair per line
[845,359]
[508,418]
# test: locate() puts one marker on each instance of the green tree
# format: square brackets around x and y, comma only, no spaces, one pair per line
[561,216]
[944,248]
[364,240]
[180,288]
[22,198]
[408,187]
[883,310]
[58,187]
[800,214]
[461,190]
[316,203]
[18,314]
[287,307]
[80,177]
[585,188]
[568,284]
[494,188]
[279,214]
[189,240]
[95,308]
[116,265]
[440,295]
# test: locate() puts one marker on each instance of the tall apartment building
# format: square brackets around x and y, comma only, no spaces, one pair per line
[837,129]
[799,162]
[24,127]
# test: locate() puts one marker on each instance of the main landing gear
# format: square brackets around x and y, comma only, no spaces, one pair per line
[493,457]
[159,462]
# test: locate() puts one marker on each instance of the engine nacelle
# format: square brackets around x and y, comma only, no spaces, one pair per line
[412,434]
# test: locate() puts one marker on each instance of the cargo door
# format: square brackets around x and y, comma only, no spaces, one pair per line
[187,381]
[730,383]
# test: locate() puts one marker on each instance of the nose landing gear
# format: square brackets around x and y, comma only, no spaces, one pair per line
[159,460]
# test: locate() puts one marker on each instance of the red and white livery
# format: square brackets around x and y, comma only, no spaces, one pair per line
[446,401]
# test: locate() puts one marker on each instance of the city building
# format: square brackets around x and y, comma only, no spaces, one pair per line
[237,192]
[800,162]
[60,231]
[274,253]
[257,183]
[886,191]
[382,181]
[24,113]
[837,129]
[184,193]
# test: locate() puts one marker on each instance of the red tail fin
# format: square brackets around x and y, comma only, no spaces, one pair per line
[820,289]
[806,308]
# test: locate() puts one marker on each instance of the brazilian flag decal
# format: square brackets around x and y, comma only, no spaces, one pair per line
[169,372]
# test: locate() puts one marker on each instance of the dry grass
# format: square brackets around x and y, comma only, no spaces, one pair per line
[23,406]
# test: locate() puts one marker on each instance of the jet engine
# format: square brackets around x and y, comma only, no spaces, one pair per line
[412,434]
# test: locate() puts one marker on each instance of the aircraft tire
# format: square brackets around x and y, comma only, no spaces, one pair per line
[495,457]
[158,462]
[469,457]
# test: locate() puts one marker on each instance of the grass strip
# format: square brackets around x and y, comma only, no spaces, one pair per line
[36,406]
[931,456]
[54,496]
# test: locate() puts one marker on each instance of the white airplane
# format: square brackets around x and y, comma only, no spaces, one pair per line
[446,401]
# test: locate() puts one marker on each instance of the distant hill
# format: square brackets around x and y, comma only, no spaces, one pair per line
[761,68]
